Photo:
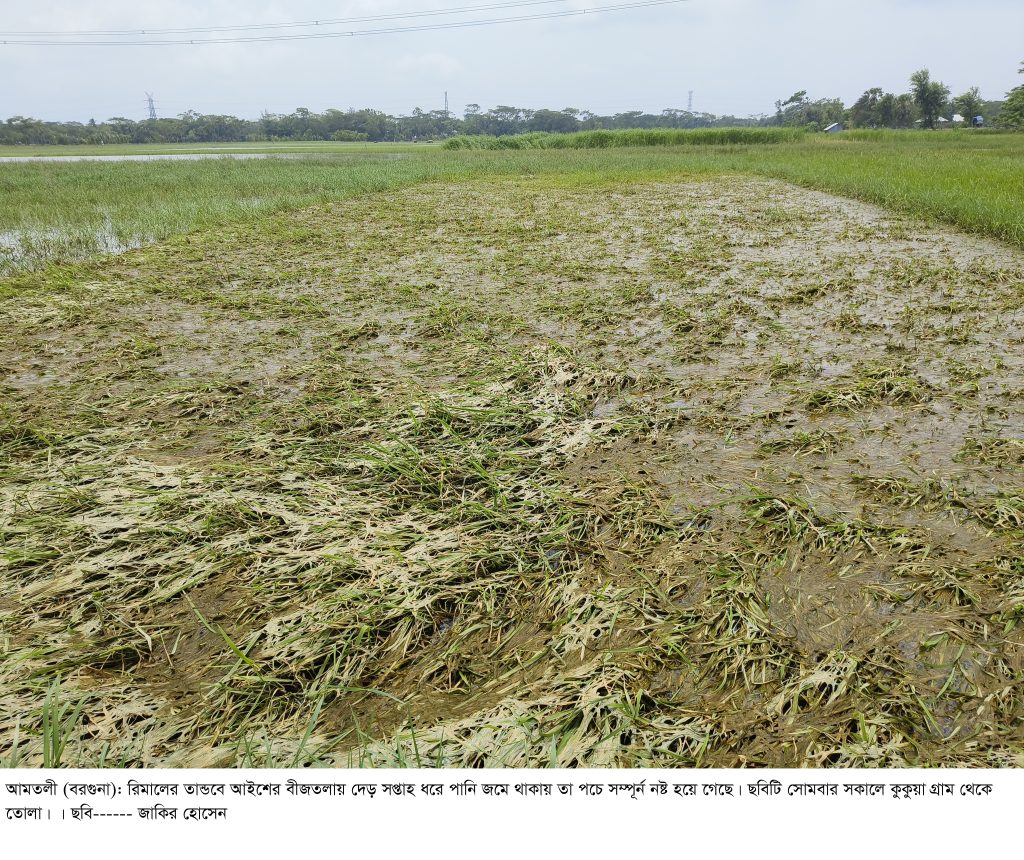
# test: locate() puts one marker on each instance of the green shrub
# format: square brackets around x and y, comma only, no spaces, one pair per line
[632,137]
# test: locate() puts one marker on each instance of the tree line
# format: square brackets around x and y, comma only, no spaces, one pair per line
[926,104]
[350,125]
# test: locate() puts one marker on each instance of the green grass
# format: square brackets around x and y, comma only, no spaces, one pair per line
[632,137]
[975,182]
[285,146]
[67,211]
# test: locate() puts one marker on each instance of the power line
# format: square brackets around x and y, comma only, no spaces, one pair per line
[416,28]
[320,22]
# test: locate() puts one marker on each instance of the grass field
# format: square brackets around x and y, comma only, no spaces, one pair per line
[293,147]
[67,211]
[575,457]
[631,138]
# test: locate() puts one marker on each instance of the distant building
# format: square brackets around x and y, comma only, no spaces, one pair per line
[835,128]
[958,118]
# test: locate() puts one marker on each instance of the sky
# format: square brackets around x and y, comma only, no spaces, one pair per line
[737,56]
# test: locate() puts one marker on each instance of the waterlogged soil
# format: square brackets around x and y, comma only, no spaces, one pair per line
[714,472]
[178,156]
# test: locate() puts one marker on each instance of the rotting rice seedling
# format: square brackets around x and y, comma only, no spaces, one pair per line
[520,471]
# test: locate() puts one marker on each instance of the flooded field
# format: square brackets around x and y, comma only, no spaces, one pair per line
[177,156]
[65,210]
[715,472]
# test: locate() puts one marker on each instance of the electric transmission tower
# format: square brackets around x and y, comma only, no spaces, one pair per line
[689,104]
[152,106]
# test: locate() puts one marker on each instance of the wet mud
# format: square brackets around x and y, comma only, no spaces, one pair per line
[714,472]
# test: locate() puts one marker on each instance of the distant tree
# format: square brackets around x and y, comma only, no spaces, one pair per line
[553,121]
[505,119]
[785,109]
[904,111]
[929,96]
[473,120]
[866,112]
[896,111]
[123,127]
[676,118]
[1012,113]
[635,119]
[798,111]
[969,104]
[822,113]
[991,110]
[347,135]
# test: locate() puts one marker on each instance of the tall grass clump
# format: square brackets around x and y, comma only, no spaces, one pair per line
[919,136]
[632,137]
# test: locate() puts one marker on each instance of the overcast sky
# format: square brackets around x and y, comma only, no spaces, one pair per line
[738,56]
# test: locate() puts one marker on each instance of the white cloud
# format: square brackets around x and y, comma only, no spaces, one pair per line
[738,55]
[433,64]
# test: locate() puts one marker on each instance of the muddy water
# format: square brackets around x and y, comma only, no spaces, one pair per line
[22,248]
[201,156]
[190,156]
